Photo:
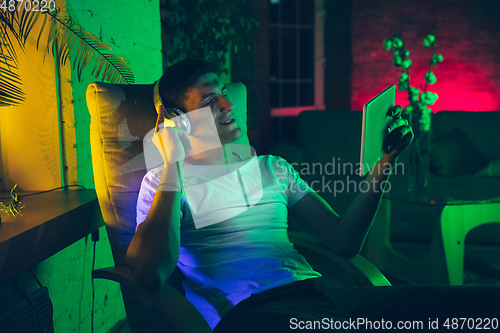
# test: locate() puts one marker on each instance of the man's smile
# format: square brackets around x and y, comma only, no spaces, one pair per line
[226,122]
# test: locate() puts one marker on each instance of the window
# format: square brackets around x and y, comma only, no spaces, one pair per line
[292,55]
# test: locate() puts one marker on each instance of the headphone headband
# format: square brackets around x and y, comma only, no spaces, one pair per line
[173,116]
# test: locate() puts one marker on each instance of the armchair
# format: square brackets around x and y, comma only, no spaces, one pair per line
[121,116]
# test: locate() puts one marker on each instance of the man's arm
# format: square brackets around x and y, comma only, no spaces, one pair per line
[154,250]
[345,235]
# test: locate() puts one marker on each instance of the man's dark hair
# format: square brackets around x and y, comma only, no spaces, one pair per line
[178,78]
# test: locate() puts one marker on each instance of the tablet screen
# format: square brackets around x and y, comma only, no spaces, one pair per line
[375,121]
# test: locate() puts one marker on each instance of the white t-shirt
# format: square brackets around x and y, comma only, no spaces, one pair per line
[244,247]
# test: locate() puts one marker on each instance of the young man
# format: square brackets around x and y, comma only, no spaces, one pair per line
[239,264]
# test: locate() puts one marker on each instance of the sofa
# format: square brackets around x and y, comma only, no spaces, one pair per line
[464,162]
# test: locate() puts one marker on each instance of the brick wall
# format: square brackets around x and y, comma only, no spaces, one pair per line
[468,38]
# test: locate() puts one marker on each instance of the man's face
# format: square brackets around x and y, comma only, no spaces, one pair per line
[208,90]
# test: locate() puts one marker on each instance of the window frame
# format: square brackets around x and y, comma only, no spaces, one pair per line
[318,66]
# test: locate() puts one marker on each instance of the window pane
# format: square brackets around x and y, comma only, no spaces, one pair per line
[289,53]
[306,94]
[306,11]
[274,94]
[274,53]
[306,54]
[273,11]
[289,94]
[288,11]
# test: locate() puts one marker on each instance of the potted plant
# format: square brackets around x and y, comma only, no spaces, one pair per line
[14,207]
[417,111]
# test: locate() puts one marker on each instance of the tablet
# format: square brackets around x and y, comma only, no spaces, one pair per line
[375,121]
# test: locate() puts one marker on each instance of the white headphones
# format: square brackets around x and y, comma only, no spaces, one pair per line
[173,116]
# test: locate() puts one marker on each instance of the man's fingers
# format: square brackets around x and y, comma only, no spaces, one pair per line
[405,140]
[395,111]
[398,122]
[398,138]
[173,143]
[161,116]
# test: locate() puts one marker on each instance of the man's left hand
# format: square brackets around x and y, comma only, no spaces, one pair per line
[399,134]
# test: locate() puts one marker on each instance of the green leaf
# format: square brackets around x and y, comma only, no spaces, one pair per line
[428,98]
[397,42]
[429,41]
[10,85]
[65,33]
[414,90]
[14,207]
[404,77]
[387,44]
[396,60]
[437,58]
[425,120]
[430,77]
[413,94]
[406,63]
[408,109]
[231,23]
[64,36]
[403,86]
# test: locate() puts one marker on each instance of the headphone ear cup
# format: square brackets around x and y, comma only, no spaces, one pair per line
[174,111]
[179,118]
[173,116]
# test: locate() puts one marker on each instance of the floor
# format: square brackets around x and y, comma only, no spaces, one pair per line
[481,267]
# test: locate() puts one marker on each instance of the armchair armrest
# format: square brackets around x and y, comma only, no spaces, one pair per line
[183,316]
[357,265]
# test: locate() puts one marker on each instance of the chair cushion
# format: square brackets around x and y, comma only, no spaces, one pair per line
[456,155]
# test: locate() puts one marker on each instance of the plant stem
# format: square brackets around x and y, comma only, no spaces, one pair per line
[433,50]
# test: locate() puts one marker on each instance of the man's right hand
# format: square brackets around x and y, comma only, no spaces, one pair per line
[172,143]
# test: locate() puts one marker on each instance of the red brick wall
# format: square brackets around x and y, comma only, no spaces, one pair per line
[468,38]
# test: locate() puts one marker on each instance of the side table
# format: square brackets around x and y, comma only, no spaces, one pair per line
[50,222]
[444,263]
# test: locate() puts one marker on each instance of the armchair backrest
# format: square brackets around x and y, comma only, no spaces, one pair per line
[121,116]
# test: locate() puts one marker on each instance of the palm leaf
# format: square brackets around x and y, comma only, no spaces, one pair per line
[10,91]
[19,24]
[7,49]
[67,35]
[64,36]
[27,21]
[15,200]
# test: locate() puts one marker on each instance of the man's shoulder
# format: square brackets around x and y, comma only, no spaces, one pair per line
[275,164]
[272,159]
[275,161]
